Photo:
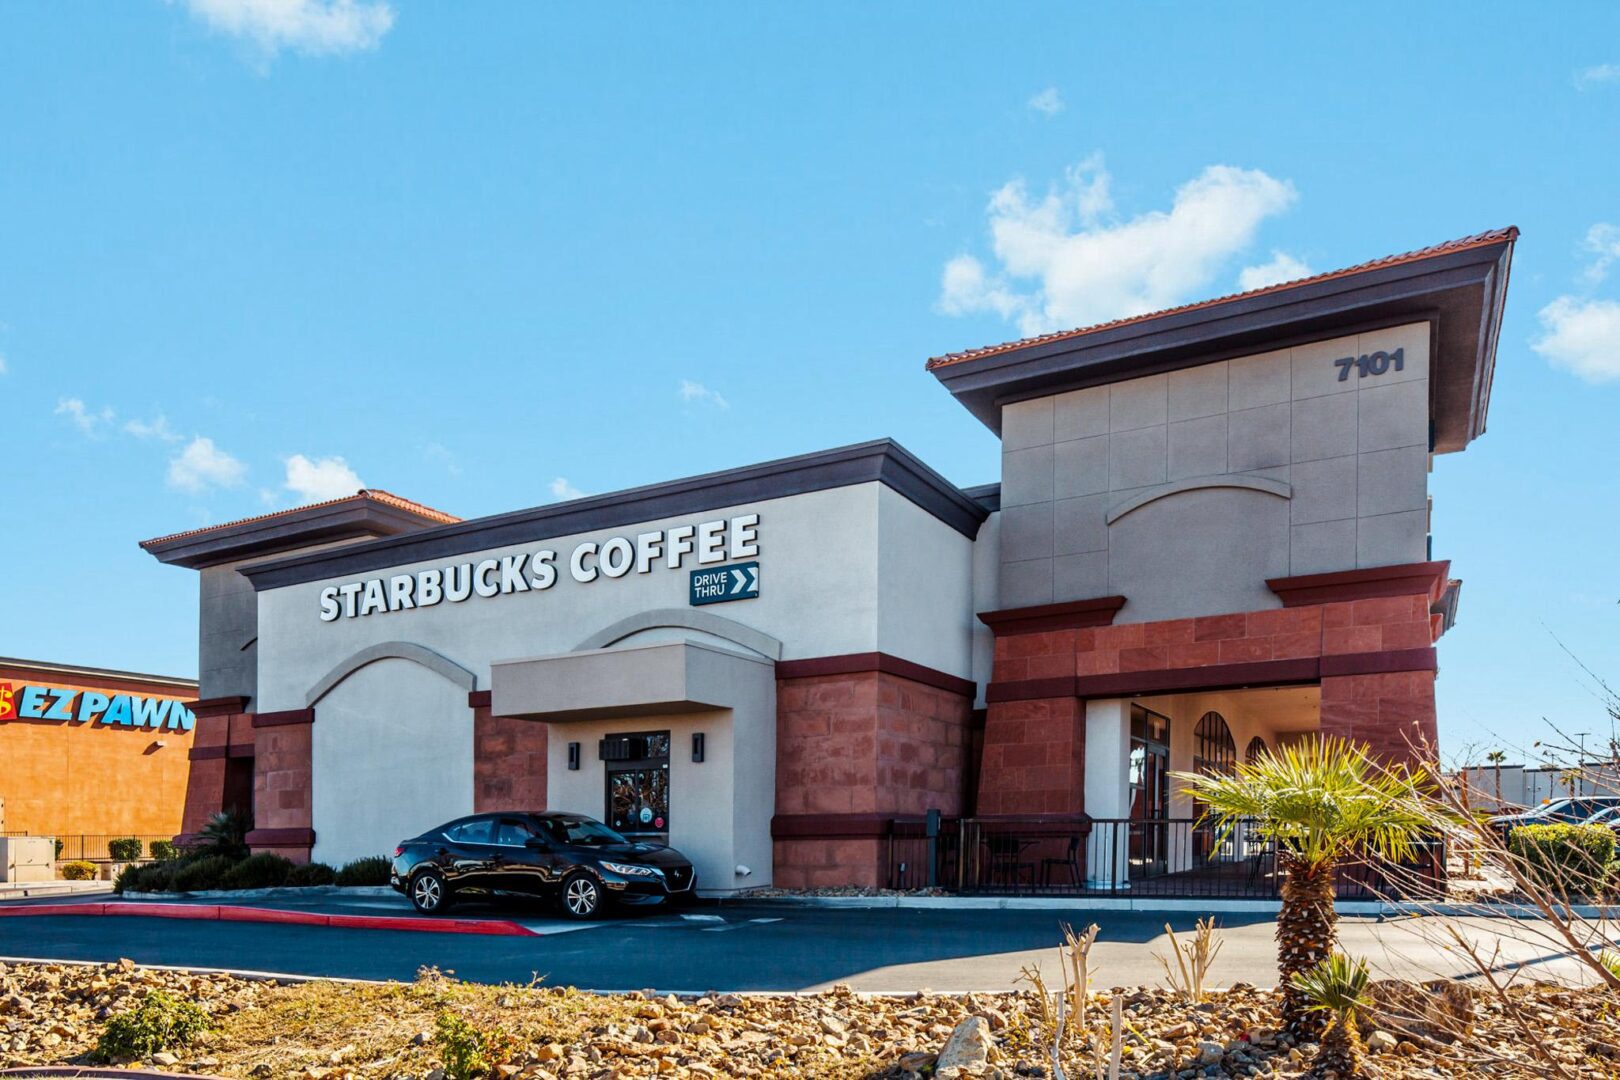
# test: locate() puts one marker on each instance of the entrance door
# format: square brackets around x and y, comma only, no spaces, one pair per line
[638,784]
[1150,792]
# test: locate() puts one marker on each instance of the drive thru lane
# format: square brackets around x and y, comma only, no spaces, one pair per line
[747,947]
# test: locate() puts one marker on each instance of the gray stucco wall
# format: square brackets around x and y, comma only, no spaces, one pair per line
[830,562]
[1349,458]
[228,623]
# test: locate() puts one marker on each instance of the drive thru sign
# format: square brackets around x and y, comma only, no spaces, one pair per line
[739,581]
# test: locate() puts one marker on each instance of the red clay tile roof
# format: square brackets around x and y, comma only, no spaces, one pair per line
[377,495]
[1495,236]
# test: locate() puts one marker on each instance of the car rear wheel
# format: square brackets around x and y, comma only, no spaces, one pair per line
[429,893]
[581,896]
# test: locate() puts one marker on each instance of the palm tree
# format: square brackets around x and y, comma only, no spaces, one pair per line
[1496,757]
[1337,987]
[1319,802]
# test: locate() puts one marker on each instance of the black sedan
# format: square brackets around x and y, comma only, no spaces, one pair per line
[572,858]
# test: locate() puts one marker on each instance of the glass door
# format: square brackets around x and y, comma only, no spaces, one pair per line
[1150,792]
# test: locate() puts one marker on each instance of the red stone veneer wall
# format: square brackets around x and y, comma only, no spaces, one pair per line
[1034,757]
[283,752]
[224,734]
[509,762]
[853,750]
[1373,657]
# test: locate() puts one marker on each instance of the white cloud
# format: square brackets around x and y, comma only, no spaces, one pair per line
[1282,267]
[3,369]
[1582,336]
[1602,242]
[158,429]
[1085,265]
[562,489]
[202,465]
[1048,102]
[441,454]
[697,392]
[315,27]
[86,420]
[317,481]
[1597,75]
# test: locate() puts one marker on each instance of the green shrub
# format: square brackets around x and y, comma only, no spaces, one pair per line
[78,871]
[154,877]
[470,1051]
[372,870]
[59,846]
[1571,860]
[163,850]
[261,871]
[124,849]
[204,872]
[225,834]
[157,1023]
[315,873]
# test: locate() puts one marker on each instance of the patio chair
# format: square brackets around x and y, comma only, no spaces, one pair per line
[1070,859]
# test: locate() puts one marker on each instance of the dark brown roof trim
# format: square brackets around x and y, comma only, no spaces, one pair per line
[219,706]
[355,517]
[1407,579]
[1070,615]
[284,719]
[882,461]
[281,838]
[73,671]
[883,663]
[1458,287]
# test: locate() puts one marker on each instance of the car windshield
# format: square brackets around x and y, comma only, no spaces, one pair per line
[1605,816]
[584,831]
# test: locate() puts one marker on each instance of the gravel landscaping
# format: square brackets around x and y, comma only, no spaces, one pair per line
[438,1028]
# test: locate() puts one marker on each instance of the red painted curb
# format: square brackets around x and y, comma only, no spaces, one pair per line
[238,913]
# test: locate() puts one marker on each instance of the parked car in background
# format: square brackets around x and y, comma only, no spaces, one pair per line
[1570,811]
[1609,817]
[574,859]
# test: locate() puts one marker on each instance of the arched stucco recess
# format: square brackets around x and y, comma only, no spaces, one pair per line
[393,650]
[1196,483]
[685,619]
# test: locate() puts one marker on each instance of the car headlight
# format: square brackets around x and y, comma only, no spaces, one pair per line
[629,871]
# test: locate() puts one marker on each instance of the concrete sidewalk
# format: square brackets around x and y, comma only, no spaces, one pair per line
[30,890]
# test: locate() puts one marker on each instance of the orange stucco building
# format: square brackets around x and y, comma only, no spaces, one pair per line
[87,752]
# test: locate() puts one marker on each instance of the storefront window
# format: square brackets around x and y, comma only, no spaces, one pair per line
[638,784]
[1214,754]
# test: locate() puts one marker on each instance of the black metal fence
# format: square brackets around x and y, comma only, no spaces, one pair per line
[1073,855]
[88,847]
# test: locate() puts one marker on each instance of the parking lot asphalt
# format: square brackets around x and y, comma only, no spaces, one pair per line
[757,946]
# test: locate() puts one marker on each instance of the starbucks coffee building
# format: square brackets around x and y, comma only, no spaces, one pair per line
[1210,537]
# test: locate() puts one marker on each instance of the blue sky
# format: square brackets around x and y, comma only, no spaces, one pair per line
[254,251]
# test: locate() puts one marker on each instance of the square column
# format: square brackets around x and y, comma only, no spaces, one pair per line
[1108,792]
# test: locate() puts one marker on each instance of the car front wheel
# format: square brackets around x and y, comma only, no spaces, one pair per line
[429,893]
[581,897]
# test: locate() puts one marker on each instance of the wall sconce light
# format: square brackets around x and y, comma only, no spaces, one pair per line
[573,756]
[697,746]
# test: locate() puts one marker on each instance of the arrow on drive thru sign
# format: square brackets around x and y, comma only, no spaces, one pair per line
[744,579]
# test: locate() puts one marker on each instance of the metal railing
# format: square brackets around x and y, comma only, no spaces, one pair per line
[1073,855]
[92,847]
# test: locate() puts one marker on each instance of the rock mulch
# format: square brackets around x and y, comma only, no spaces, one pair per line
[323,1030]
